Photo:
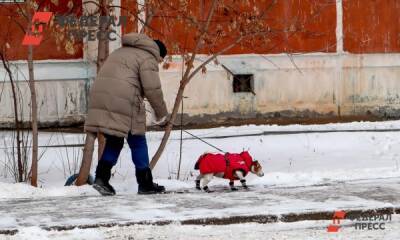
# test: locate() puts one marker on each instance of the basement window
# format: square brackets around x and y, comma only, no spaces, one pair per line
[243,83]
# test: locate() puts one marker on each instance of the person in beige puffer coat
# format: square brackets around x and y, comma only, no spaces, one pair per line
[117,109]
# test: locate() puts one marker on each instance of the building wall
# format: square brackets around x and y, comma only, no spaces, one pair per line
[61,92]
[351,69]
[14,24]
[371,26]
[318,86]
[296,26]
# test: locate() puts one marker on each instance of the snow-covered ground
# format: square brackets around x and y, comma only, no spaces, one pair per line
[260,200]
[304,165]
[279,231]
[287,159]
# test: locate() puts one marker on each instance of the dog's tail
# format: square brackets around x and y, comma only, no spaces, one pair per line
[197,165]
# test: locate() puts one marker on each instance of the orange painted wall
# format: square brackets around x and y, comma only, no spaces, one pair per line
[11,32]
[371,26]
[315,19]
[129,9]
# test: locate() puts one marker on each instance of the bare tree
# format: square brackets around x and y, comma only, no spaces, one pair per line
[26,13]
[34,108]
[104,8]
[20,15]
[16,117]
[17,158]
[245,22]
[214,28]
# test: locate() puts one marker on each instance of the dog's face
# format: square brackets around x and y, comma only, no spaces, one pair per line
[256,168]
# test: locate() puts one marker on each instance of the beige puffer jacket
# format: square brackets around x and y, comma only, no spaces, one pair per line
[128,75]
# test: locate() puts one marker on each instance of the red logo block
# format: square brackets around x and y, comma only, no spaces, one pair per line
[337,216]
[34,37]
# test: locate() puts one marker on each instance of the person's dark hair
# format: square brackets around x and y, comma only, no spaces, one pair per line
[163,49]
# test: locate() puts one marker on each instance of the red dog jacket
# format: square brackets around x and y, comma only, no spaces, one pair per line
[228,163]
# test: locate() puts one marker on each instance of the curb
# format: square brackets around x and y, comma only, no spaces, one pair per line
[262,219]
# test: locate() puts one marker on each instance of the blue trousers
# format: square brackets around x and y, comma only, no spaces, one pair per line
[137,144]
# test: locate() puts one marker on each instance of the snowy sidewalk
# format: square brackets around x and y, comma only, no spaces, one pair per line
[268,203]
[307,177]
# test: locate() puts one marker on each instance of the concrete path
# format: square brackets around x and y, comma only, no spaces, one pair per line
[260,204]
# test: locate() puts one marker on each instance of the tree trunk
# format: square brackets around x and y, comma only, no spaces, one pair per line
[32,89]
[103,49]
[34,122]
[87,159]
[102,54]
[169,127]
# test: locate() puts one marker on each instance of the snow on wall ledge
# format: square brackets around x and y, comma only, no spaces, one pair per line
[302,85]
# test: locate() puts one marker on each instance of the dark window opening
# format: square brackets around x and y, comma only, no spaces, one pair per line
[243,83]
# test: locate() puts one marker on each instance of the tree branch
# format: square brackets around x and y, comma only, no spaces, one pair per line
[214,56]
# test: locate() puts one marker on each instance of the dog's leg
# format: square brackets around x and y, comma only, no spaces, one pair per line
[206,179]
[232,185]
[239,175]
[198,179]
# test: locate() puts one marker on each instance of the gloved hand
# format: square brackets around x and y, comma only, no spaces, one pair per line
[163,122]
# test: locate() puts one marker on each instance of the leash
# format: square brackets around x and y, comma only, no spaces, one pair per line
[191,134]
[209,144]
[227,162]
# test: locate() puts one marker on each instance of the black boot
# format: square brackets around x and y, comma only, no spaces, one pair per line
[103,175]
[145,181]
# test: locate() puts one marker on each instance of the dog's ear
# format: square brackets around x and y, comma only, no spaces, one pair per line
[256,164]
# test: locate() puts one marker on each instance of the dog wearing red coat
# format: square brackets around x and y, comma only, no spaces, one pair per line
[231,166]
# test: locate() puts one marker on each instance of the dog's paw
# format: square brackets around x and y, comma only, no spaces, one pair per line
[198,188]
[207,190]
[234,189]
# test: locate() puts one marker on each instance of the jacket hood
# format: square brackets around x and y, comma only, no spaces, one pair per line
[143,42]
[247,158]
